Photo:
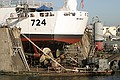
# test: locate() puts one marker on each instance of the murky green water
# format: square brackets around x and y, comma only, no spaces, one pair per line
[116,76]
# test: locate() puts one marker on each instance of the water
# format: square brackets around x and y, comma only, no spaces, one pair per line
[116,76]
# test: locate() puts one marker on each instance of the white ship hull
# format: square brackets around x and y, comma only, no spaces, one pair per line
[57,27]
[64,26]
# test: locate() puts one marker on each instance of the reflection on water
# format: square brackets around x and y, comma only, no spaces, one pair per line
[113,77]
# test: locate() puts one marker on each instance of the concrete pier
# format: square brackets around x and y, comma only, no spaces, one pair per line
[11,59]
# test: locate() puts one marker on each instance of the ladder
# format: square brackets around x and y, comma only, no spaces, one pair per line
[17,48]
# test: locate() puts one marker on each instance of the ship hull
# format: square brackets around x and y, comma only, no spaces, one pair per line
[53,37]
[63,26]
[59,27]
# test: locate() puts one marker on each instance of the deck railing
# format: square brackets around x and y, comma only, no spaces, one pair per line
[12,3]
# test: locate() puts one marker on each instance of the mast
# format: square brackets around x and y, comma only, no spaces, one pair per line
[82,4]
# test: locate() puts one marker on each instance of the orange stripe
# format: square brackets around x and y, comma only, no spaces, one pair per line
[67,40]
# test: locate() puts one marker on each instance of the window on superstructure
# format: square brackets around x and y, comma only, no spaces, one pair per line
[65,14]
[73,14]
[107,28]
[46,14]
[85,14]
[51,14]
[41,14]
[31,9]
[118,29]
[69,14]
[80,13]
[32,15]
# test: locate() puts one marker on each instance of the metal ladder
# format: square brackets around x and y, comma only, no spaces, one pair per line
[17,49]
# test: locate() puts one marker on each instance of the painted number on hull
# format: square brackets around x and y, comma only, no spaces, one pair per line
[38,22]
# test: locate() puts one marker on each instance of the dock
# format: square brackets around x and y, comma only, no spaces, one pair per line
[12,56]
[14,62]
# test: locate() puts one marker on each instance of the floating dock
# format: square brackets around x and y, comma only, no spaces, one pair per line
[14,62]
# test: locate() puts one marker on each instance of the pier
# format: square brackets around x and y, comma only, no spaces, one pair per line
[11,51]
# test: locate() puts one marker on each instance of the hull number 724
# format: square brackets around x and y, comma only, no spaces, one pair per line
[38,22]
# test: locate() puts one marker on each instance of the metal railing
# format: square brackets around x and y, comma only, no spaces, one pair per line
[12,3]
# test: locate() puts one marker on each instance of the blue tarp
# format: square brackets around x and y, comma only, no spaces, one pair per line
[44,8]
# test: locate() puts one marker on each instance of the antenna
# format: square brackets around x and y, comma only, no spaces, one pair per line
[65,2]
